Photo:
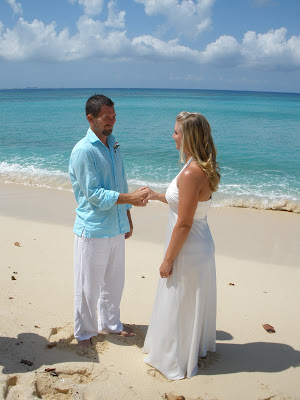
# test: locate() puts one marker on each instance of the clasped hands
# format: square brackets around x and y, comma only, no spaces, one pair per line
[142,195]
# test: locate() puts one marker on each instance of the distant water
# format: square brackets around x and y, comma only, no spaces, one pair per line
[257,136]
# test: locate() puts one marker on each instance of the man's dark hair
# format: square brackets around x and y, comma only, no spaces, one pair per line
[94,104]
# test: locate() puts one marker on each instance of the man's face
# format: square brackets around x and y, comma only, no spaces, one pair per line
[104,122]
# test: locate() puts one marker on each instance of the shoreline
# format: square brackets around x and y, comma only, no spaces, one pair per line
[276,243]
[220,199]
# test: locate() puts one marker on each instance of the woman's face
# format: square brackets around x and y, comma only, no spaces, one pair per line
[177,135]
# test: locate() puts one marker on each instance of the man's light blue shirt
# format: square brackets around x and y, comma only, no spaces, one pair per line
[98,177]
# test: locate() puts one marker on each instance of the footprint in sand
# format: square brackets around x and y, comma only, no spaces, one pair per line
[7,386]
[62,335]
[153,372]
[68,384]
[17,387]
[63,339]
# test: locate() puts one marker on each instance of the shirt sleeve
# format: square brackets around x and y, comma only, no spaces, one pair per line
[85,174]
[128,206]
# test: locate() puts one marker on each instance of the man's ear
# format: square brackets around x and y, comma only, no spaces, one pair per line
[89,117]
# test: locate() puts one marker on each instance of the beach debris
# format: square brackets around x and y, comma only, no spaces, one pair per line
[13,278]
[51,345]
[172,397]
[231,284]
[52,371]
[26,362]
[143,276]
[36,326]
[11,298]
[269,328]
[17,244]
[15,272]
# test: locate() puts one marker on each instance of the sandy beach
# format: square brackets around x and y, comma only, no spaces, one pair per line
[258,274]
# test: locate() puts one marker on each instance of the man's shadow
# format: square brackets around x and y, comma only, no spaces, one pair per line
[30,351]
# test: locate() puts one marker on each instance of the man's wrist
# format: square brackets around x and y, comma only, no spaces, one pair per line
[124,198]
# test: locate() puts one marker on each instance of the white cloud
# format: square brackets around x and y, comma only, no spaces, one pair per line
[16,7]
[91,7]
[271,50]
[153,7]
[225,51]
[155,48]
[28,41]
[115,19]
[188,18]
[36,41]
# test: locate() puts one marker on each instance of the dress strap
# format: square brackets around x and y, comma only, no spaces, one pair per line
[185,165]
[190,160]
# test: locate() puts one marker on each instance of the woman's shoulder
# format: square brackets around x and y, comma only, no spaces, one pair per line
[193,173]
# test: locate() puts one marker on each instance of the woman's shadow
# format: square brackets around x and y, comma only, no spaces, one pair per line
[250,357]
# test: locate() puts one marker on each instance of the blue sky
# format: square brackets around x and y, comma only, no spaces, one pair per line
[209,44]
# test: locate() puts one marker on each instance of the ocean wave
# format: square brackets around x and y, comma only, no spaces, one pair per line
[34,176]
[259,197]
[282,204]
[238,195]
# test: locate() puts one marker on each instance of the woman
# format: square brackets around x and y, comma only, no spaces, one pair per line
[183,321]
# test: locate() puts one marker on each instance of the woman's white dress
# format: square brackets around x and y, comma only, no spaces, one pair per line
[183,322]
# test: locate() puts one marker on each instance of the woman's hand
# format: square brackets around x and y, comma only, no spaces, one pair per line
[151,195]
[165,269]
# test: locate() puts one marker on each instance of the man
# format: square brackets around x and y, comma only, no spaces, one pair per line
[102,223]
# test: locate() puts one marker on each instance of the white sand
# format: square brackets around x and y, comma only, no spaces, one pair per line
[258,251]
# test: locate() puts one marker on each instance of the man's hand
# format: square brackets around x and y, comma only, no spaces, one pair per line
[129,234]
[151,195]
[138,197]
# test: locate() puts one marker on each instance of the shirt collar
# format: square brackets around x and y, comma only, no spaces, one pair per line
[93,138]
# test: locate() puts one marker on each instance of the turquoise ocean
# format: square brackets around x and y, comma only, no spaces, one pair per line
[257,136]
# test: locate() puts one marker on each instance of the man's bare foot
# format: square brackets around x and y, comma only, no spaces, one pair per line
[85,343]
[127,332]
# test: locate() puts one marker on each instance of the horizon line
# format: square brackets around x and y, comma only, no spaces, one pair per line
[27,88]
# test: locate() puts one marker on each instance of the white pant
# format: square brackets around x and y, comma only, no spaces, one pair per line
[99,272]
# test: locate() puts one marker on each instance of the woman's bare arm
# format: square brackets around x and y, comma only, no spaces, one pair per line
[155,196]
[189,184]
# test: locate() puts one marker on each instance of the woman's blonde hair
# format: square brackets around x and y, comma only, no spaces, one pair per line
[198,142]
